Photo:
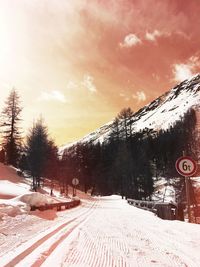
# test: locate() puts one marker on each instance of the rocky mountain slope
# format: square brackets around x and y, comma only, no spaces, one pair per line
[159,114]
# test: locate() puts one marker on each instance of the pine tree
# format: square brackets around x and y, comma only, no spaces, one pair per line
[66,171]
[10,118]
[37,151]
[51,165]
[126,115]
[114,136]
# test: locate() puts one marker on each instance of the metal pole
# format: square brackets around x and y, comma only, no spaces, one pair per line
[187,195]
[188,198]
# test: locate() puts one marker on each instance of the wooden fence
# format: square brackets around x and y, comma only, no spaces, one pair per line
[58,206]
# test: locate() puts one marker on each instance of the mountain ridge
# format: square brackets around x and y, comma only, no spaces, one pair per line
[159,114]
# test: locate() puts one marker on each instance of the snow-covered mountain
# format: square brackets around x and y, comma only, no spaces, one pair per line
[159,114]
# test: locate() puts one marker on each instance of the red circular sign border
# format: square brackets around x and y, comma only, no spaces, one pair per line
[180,172]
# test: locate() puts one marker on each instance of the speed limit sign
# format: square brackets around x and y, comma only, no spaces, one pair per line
[186,166]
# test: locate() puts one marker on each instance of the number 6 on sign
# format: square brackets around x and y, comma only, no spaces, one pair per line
[186,166]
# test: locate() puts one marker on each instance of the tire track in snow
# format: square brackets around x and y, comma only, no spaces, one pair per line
[97,252]
[74,257]
[86,256]
[21,256]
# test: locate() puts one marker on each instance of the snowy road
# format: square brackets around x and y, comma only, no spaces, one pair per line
[109,233]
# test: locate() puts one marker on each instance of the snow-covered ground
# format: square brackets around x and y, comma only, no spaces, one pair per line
[104,232]
[11,185]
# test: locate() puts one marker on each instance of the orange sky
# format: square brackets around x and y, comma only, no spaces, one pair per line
[78,62]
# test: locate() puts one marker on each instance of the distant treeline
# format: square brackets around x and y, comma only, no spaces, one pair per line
[128,161]
[124,164]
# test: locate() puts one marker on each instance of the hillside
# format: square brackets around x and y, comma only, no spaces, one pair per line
[159,114]
[11,184]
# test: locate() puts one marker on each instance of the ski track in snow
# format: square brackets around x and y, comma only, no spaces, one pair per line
[41,246]
[111,233]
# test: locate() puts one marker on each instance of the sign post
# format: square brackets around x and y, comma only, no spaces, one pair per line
[186,167]
[75,182]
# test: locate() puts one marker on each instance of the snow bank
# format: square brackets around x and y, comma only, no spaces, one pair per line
[75,198]
[21,204]
[12,208]
[36,199]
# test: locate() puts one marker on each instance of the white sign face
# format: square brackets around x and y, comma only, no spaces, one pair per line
[186,166]
[75,181]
